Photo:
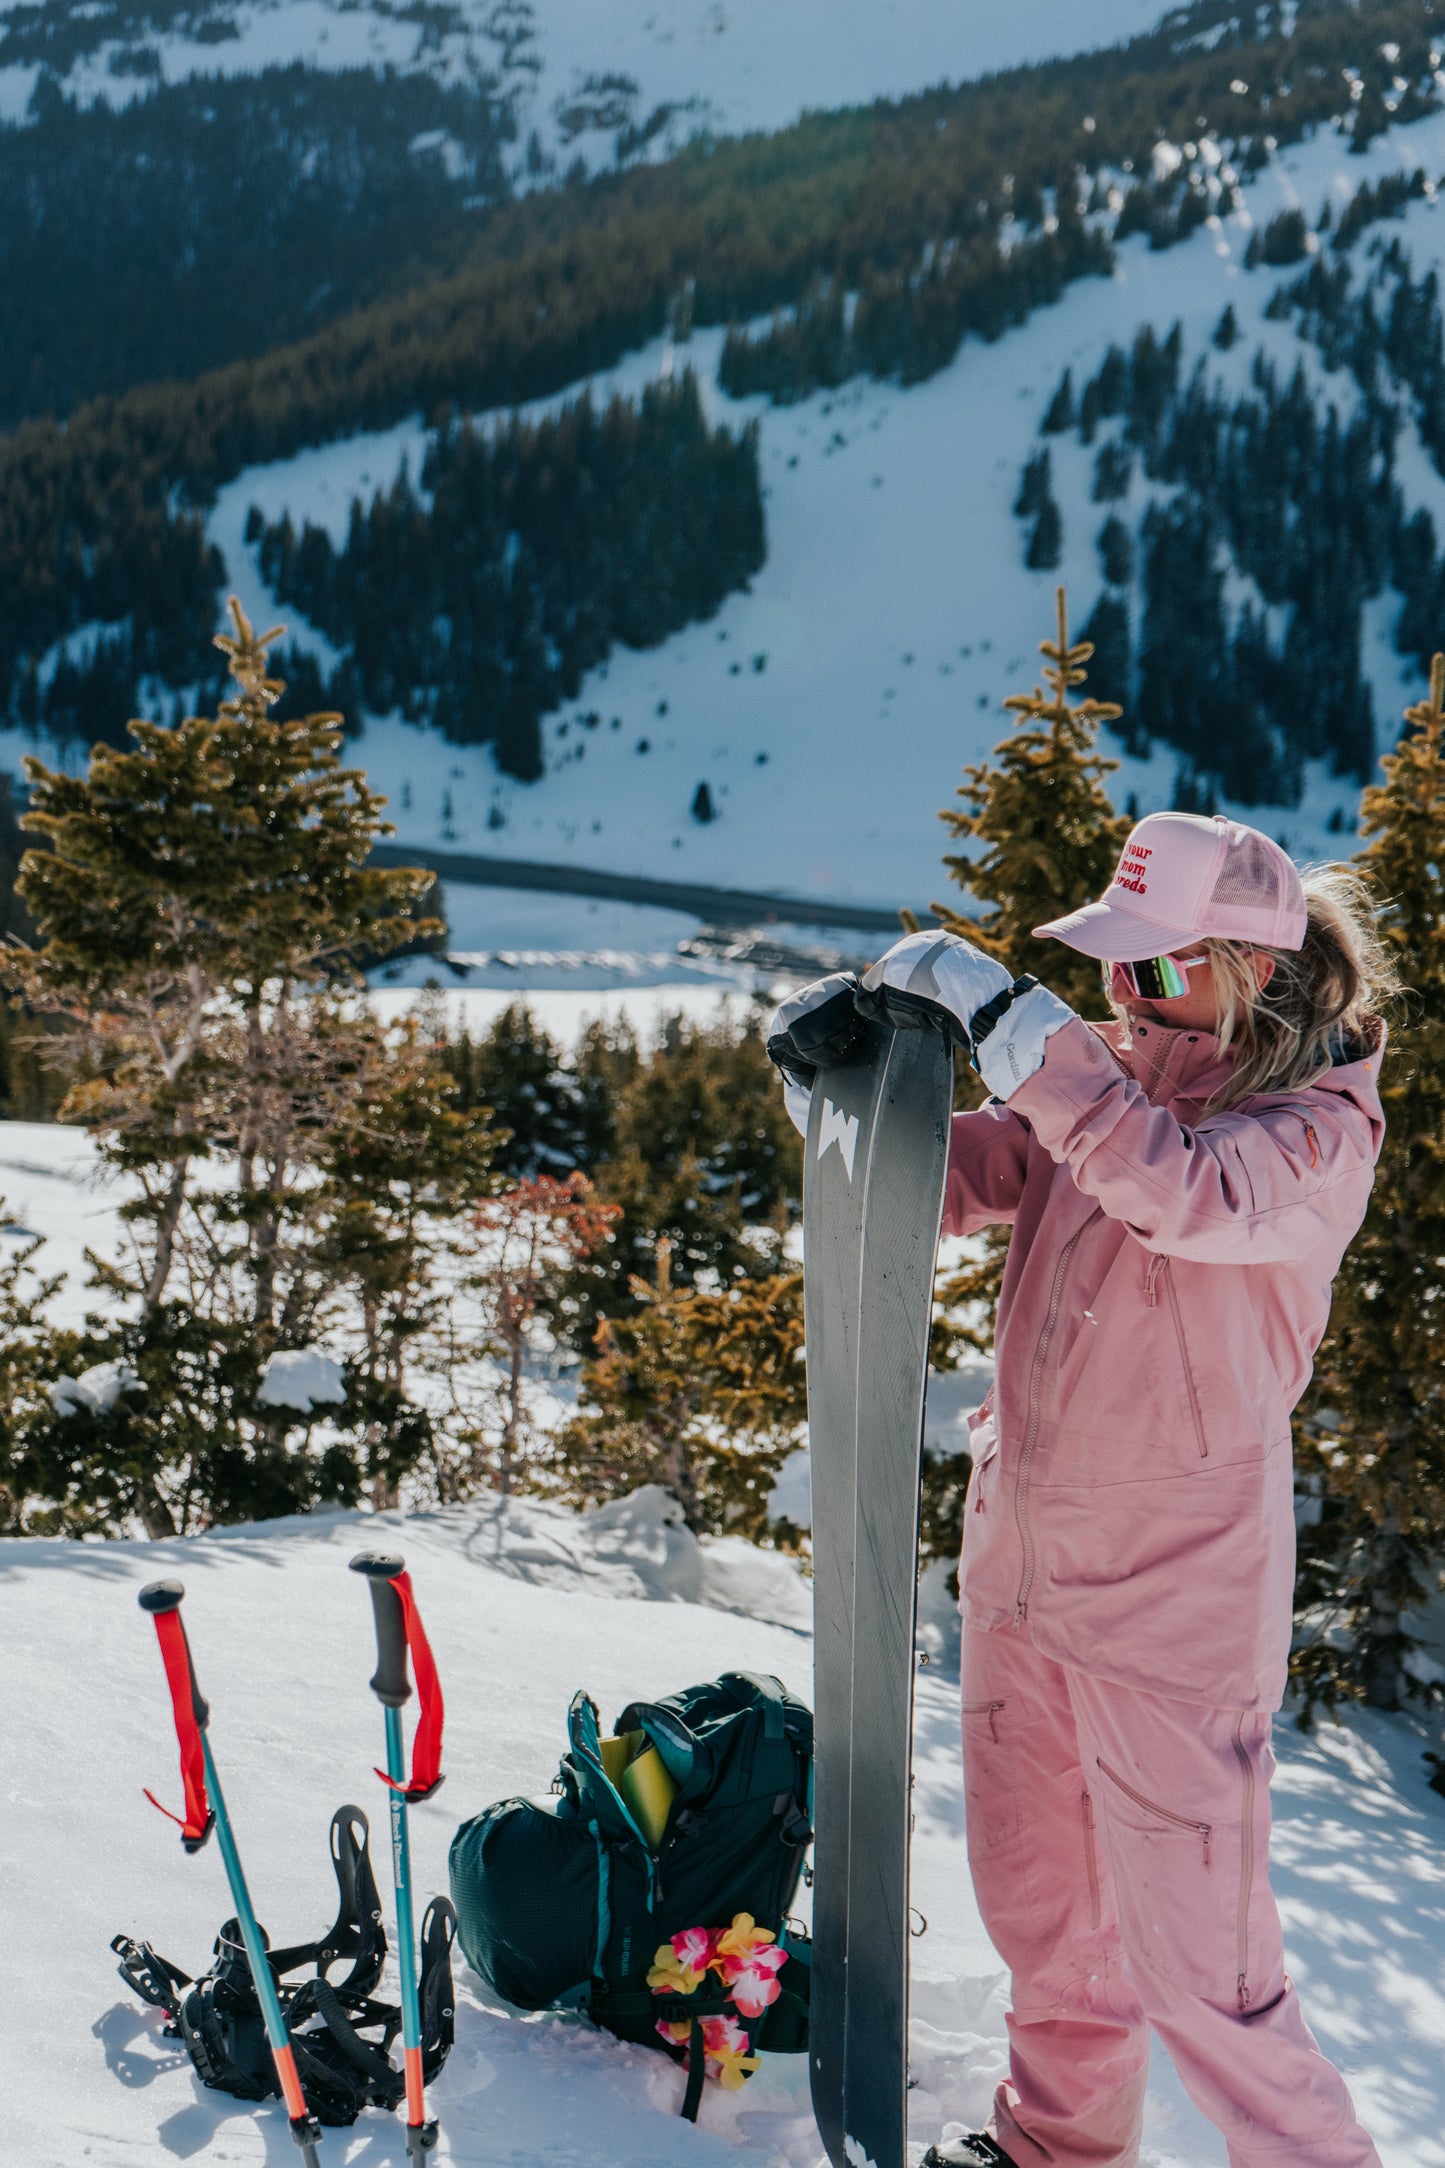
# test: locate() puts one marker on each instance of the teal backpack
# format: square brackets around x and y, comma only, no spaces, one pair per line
[564,1903]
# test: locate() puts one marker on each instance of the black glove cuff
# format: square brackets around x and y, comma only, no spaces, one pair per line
[986,1019]
[820,1038]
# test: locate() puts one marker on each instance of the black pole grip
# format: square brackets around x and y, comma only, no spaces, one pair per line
[389,1681]
[158,1597]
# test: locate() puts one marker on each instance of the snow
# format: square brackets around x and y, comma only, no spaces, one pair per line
[97,1388]
[524,1603]
[302,1378]
[893,613]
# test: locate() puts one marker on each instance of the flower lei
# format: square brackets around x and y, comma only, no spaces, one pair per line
[746,1958]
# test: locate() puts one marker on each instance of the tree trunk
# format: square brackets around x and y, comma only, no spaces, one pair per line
[683,1484]
[156,1516]
[511,1429]
[1383,1641]
[166,1226]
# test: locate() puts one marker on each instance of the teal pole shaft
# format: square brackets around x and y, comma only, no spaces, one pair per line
[261,1973]
[401,1874]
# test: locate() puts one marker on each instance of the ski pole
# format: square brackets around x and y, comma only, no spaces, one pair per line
[398,1627]
[162,1599]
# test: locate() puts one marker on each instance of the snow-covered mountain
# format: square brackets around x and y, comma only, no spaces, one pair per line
[831,708]
[579,71]
[524,1604]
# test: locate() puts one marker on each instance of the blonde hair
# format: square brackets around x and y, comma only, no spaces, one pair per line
[1321,998]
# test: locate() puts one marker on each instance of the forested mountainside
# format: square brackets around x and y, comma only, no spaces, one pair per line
[884,235]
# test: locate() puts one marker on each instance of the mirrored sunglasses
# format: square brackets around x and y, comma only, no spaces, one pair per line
[1153,978]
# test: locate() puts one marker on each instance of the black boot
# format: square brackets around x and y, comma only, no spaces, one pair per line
[977,2151]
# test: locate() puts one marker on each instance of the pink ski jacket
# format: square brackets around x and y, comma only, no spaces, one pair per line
[1131,1508]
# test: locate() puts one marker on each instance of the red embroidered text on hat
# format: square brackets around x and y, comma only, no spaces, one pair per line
[1182,878]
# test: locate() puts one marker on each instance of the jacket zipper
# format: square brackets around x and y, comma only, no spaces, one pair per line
[1314,1144]
[989,1709]
[1194,1408]
[1202,1830]
[1091,1860]
[1021,1492]
[1246,1863]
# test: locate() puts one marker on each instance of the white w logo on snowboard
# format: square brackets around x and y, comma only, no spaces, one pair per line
[840,1129]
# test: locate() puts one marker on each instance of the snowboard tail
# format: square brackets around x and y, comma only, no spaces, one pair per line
[874,1167]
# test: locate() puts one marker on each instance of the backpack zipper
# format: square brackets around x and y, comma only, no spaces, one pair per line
[1202,1830]
[1021,1490]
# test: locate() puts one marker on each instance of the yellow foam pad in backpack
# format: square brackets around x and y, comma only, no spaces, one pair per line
[636,1768]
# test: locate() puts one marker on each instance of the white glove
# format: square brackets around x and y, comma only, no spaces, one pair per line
[939,975]
[1013,1051]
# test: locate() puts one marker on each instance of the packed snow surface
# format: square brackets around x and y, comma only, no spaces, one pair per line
[832,707]
[524,1603]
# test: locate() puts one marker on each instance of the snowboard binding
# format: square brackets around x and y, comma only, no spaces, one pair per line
[342,2069]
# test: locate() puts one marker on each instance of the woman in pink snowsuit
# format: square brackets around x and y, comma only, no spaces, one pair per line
[1181,1186]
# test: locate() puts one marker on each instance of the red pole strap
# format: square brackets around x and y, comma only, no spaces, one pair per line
[196,1826]
[426,1752]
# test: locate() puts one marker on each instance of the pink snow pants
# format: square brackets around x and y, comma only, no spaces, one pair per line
[1119,1846]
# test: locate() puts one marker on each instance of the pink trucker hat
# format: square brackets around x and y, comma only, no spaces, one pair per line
[1183,877]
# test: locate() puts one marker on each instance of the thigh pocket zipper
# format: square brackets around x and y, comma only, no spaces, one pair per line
[1202,1830]
[989,1709]
[1091,1857]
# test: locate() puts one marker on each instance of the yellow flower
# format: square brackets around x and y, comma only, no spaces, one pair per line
[670,1973]
[734,2070]
[743,1937]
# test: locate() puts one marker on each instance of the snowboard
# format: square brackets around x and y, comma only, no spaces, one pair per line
[875,1159]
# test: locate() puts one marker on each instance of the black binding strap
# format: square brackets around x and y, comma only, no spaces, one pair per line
[357,1931]
[153,1977]
[435,1991]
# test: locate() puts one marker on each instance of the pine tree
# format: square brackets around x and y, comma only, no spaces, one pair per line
[1052,836]
[201,919]
[1371,1435]
[1059,414]
[1046,539]
[1052,840]
[701,1392]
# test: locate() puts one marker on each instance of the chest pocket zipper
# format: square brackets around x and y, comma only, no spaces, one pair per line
[1203,1830]
[1159,1269]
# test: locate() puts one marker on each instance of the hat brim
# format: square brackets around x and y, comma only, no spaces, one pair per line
[1114,936]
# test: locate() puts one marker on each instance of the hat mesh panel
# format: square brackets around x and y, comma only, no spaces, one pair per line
[1249,878]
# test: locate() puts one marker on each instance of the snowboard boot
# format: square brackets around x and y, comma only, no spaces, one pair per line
[977,2151]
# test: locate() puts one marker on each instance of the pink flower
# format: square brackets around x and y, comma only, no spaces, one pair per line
[681,1964]
[723,2036]
[755,1985]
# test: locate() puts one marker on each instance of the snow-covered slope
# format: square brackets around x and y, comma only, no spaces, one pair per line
[524,1604]
[581,70]
[832,707]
